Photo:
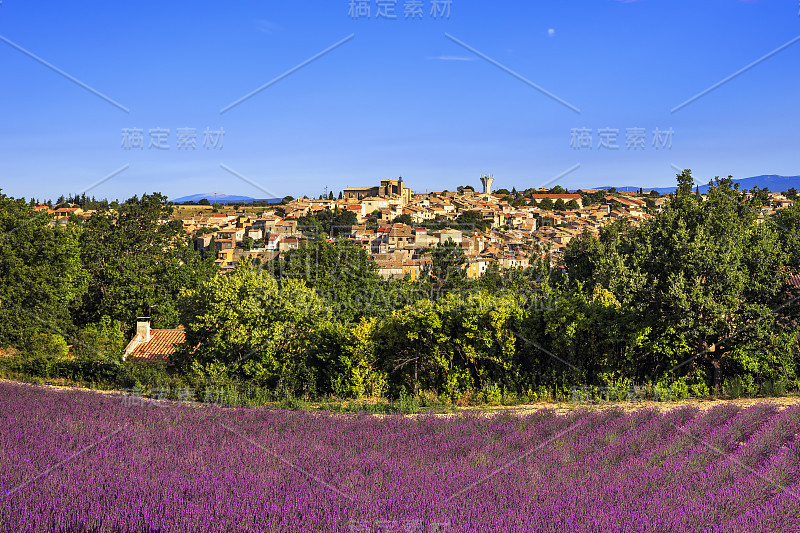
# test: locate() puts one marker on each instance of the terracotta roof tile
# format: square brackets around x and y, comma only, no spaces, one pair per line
[161,345]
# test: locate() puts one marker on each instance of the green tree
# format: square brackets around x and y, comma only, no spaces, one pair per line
[411,343]
[473,219]
[559,205]
[705,271]
[345,358]
[787,223]
[546,204]
[41,275]
[341,272]
[479,345]
[760,197]
[46,345]
[591,333]
[104,339]
[446,271]
[137,265]
[247,324]
[246,243]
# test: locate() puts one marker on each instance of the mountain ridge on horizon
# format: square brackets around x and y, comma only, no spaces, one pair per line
[774,182]
[223,198]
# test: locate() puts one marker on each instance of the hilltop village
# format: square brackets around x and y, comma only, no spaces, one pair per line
[397,226]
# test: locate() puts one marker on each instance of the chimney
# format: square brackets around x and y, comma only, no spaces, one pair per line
[143,328]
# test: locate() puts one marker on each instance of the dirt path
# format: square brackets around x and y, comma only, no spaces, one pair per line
[702,404]
[559,407]
[59,387]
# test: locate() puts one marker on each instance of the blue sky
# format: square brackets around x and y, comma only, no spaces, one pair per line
[431,99]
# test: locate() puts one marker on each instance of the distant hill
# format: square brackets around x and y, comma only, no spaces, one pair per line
[773,182]
[225,199]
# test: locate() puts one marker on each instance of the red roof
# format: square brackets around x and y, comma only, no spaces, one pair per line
[557,196]
[160,346]
[625,201]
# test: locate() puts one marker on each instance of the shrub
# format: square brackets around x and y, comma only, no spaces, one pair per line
[406,403]
[492,394]
[104,339]
[739,386]
[773,388]
[47,345]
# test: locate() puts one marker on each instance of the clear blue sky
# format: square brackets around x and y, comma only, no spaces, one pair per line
[399,98]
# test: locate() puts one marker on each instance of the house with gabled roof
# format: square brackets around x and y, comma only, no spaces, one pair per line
[151,345]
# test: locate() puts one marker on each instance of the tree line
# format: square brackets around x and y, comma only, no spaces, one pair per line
[698,299]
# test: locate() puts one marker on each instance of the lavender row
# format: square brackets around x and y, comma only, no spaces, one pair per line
[77,461]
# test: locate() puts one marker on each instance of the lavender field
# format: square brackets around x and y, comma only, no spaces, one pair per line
[81,461]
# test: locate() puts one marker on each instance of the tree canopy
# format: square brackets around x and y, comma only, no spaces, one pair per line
[249,324]
[702,275]
[41,274]
[137,263]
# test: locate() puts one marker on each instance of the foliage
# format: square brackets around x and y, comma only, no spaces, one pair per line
[41,274]
[472,219]
[329,222]
[341,273]
[704,274]
[246,243]
[446,270]
[46,345]
[104,339]
[138,265]
[692,301]
[248,324]
[403,219]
